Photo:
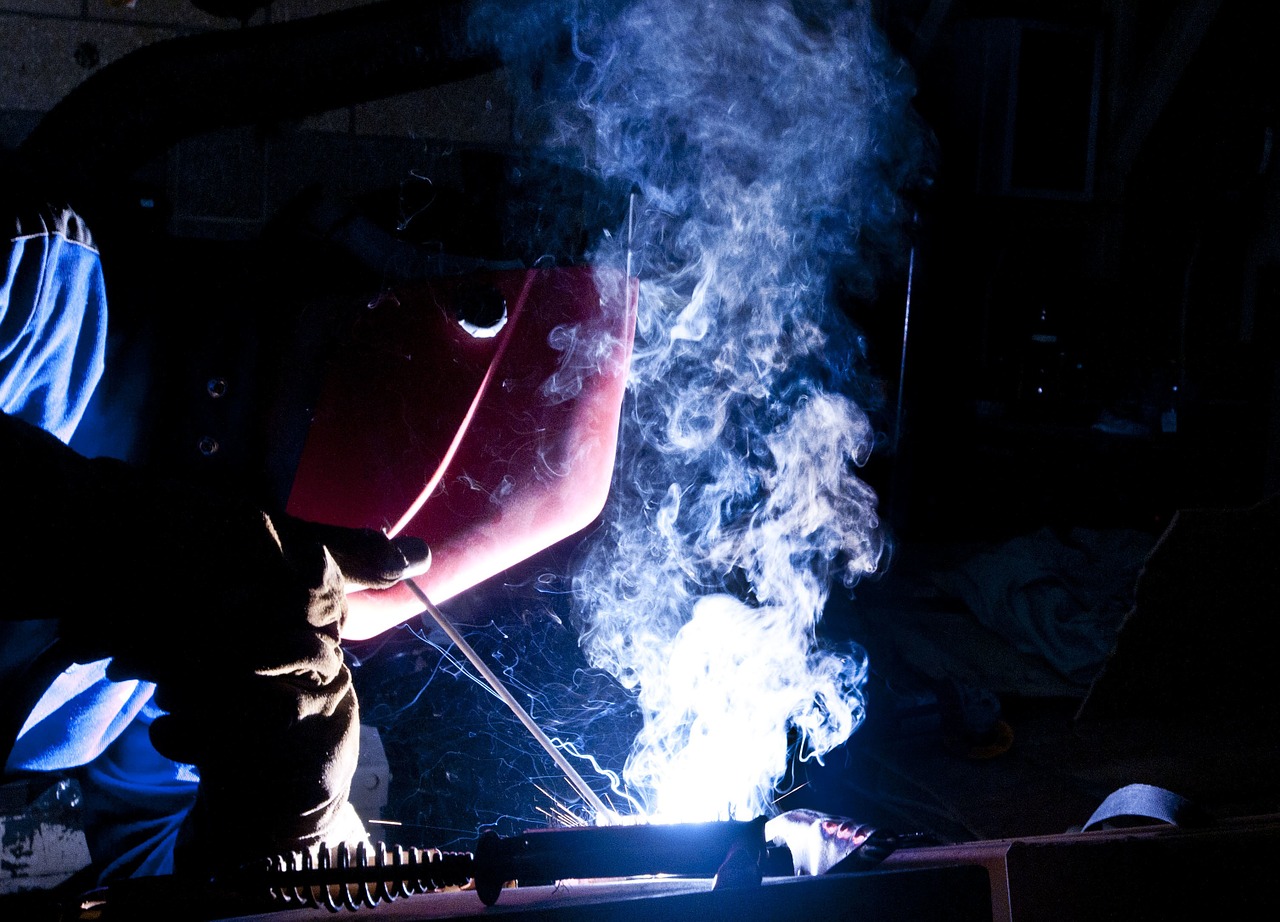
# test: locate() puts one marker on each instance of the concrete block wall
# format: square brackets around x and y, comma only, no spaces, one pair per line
[227,184]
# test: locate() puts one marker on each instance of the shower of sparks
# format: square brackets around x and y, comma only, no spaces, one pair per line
[559,814]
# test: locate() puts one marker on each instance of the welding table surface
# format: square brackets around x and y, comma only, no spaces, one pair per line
[954,893]
[1224,870]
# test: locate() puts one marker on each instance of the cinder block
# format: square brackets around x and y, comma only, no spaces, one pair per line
[45,7]
[15,126]
[285,10]
[41,60]
[342,165]
[335,120]
[178,14]
[477,110]
[219,176]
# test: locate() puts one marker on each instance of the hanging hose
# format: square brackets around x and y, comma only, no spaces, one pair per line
[139,106]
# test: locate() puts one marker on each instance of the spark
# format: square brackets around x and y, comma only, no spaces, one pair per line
[781,798]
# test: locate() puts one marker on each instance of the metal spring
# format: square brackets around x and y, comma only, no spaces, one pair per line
[338,882]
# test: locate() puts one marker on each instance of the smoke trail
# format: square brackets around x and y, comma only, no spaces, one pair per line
[769,150]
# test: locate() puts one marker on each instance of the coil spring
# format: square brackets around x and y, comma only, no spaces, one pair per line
[337,879]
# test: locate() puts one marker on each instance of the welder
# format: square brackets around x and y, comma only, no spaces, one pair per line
[178,650]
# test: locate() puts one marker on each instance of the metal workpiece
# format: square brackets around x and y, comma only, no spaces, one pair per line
[540,856]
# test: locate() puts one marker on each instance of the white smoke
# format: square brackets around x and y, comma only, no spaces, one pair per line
[769,151]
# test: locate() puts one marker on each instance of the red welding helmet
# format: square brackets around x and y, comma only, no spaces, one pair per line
[479,412]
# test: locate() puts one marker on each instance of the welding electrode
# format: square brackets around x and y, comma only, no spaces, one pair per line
[602,813]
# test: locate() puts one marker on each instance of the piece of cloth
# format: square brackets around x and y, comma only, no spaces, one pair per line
[53,327]
[53,323]
[53,320]
[79,716]
[1139,804]
[135,802]
[1057,598]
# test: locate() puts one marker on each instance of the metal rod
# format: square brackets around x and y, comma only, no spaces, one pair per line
[906,327]
[501,690]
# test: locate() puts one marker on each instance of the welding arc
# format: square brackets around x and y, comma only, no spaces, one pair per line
[501,690]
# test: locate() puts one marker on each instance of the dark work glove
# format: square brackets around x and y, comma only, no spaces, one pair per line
[234,614]
[163,576]
[275,740]
[366,557]
[265,595]
[274,728]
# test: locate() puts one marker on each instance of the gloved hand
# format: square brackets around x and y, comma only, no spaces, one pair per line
[272,722]
[271,719]
[262,593]
[164,572]
[234,614]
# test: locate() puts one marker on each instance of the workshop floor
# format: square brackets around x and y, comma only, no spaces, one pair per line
[969,738]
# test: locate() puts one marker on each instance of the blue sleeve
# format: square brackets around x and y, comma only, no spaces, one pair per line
[79,716]
[135,801]
[53,318]
[53,321]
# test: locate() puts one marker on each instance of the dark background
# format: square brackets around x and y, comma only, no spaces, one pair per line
[1091,343]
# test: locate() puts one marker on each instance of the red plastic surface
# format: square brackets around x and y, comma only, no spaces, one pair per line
[492,449]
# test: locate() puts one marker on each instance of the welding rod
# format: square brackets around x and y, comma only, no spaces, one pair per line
[501,690]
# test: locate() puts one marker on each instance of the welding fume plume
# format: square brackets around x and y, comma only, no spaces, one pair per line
[770,142]
[770,152]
